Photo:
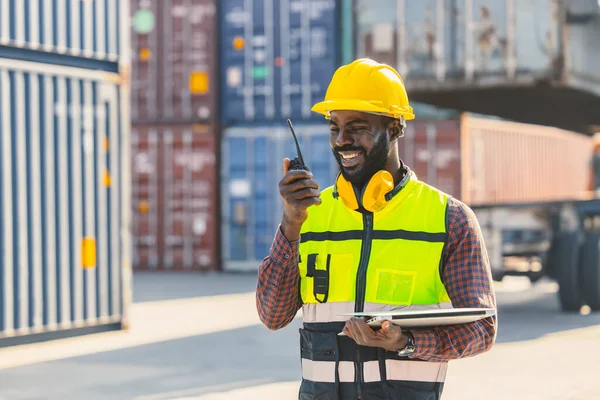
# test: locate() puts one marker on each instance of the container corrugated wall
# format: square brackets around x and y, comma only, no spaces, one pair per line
[175,134]
[443,39]
[252,167]
[174,197]
[61,183]
[431,148]
[511,162]
[64,187]
[174,61]
[89,29]
[277,58]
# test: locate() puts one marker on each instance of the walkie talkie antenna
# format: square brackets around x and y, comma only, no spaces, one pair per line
[296,140]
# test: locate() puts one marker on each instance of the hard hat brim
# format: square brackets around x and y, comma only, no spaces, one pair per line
[324,107]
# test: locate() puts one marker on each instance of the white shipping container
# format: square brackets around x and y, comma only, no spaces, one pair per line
[88,29]
[64,193]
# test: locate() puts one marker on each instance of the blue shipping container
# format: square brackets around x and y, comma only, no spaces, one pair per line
[81,29]
[252,160]
[63,199]
[277,58]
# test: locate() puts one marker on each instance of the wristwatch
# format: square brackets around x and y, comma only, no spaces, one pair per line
[410,345]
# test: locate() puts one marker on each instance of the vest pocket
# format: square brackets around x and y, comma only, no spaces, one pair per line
[318,346]
[395,287]
[327,277]
[319,356]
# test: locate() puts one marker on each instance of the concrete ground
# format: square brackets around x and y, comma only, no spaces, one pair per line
[198,337]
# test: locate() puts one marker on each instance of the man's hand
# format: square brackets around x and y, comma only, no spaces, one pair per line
[389,337]
[298,191]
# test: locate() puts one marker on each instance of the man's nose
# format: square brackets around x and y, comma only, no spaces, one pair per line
[343,138]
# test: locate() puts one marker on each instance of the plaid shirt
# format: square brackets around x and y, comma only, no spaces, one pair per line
[466,276]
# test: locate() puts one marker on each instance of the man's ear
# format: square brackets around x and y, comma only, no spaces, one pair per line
[395,130]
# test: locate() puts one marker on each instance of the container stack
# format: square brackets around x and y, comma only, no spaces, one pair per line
[175,136]
[64,142]
[277,58]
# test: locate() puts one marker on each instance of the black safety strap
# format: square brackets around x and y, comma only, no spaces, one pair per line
[311,265]
[321,282]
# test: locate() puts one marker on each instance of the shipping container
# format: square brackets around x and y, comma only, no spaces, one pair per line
[174,195]
[533,57]
[506,162]
[277,58]
[251,168]
[81,29]
[489,161]
[174,61]
[145,60]
[432,149]
[64,233]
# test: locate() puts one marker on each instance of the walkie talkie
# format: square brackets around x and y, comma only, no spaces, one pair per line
[298,162]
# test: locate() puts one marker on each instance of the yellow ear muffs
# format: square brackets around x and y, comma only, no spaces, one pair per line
[373,195]
[346,192]
[373,198]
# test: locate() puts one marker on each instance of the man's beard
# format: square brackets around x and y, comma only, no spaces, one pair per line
[375,160]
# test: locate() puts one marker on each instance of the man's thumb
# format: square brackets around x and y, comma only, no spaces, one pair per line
[386,325]
[286,165]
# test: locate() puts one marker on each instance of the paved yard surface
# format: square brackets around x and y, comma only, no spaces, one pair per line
[198,337]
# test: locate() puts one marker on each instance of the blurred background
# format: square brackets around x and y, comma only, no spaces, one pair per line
[141,144]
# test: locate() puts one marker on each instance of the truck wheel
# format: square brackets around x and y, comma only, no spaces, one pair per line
[590,271]
[567,271]
[551,259]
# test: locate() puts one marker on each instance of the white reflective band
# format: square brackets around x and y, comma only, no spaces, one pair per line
[330,312]
[324,371]
[371,371]
[396,370]
[404,370]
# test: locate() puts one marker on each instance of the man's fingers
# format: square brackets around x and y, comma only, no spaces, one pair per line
[291,176]
[364,330]
[298,185]
[310,201]
[361,332]
[301,194]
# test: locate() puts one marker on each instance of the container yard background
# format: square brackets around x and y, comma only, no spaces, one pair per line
[141,144]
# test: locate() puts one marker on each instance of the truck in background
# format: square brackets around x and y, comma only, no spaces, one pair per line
[550,228]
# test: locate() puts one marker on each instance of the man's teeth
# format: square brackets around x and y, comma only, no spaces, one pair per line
[349,156]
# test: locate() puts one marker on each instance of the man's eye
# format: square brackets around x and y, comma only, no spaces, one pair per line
[334,131]
[357,129]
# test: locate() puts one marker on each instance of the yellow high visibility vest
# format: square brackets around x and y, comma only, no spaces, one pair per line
[350,261]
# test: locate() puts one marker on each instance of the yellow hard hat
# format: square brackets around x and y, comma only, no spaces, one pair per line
[368,86]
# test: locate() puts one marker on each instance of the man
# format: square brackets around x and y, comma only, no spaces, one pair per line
[378,239]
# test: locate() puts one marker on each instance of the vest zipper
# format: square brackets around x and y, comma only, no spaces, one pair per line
[361,285]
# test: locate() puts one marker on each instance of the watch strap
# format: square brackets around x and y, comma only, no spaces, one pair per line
[410,345]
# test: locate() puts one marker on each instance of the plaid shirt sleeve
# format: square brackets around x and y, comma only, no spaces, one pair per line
[468,281]
[277,290]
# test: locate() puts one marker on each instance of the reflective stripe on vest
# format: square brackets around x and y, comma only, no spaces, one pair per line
[397,370]
[333,312]
[384,261]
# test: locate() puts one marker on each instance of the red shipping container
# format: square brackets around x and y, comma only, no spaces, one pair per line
[174,197]
[505,161]
[431,148]
[174,61]
[490,161]
[145,56]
